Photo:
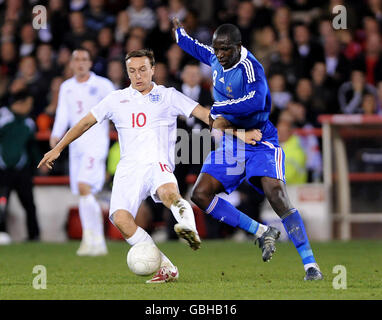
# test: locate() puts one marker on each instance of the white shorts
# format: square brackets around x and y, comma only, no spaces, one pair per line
[133,184]
[88,169]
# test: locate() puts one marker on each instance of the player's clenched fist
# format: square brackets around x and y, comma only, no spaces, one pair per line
[49,158]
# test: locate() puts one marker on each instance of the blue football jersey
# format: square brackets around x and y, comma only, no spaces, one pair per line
[241,93]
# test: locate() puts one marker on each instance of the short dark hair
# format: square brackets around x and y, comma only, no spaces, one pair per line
[229,30]
[142,53]
[84,49]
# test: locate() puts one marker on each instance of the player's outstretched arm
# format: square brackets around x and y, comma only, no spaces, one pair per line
[75,132]
[192,46]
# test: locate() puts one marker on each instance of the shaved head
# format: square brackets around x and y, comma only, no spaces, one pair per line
[229,31]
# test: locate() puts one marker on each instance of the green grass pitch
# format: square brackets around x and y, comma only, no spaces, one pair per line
[220,270]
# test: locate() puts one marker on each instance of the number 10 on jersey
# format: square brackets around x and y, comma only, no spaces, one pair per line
[138,120]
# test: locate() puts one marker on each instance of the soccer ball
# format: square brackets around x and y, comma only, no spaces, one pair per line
[144,258]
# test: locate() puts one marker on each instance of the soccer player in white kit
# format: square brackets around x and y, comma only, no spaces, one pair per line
[87,155]
[145,116]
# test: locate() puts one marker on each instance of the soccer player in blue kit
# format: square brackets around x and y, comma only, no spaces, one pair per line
[242,97]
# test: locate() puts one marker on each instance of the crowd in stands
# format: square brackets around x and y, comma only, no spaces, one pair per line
[312,68]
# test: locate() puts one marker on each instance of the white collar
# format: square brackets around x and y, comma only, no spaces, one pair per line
[243,55]
[135,92]
[90,79]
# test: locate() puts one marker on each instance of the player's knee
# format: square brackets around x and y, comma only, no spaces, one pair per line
[123,218]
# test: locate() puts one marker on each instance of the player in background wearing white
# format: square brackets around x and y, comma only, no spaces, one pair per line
[87,155]
[145,116]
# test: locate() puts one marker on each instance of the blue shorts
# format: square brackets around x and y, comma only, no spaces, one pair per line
[233,161]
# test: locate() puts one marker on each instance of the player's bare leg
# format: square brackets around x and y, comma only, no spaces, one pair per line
[93,240]
[134,234]
[183,213]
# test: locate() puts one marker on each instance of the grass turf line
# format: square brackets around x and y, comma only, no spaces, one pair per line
[220,270]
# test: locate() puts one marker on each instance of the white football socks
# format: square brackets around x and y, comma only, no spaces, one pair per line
[141,235]
[184,214]
[91,220]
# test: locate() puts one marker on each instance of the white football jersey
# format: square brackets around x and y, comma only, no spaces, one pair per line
[74,102]
[146,124]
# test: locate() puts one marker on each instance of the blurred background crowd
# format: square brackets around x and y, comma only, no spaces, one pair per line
[312,68]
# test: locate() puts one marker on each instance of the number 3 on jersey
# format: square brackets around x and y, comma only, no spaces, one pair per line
[138,120]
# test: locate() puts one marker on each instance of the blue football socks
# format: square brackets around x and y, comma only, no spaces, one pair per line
[223,211]
[294,226]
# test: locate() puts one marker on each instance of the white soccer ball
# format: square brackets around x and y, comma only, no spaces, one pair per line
[144,258]
[5,238]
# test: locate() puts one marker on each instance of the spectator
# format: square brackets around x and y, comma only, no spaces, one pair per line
[295,157]
[191,85]
[45,62]
[309,142]
[264,44]
[280,96]
[107,48]
[8,31]
[195,29]
[18,154]
[77,5]
[371,59]
[8,59]
[160,38]
[337,65]
[369,104]
[78,31]
[307,52]
[350,93]
[161,75]
[36,86]
[28,40]
[58,23]
[379,97]
[282,22]
[133,43]
[323,99]
[304,95]
[141,15]
[116,74]
[174,61]
[245,21]
[123,26]
[99,63]
[177,9]
[63,58]
[50,110]
[283,62]
[97,17]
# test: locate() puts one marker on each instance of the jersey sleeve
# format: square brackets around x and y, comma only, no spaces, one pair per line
[252,97]
[193,47]
[102,110]
[61,120]
[182,105]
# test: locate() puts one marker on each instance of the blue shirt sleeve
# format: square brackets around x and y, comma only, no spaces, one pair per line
[252,98]
[192,46]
